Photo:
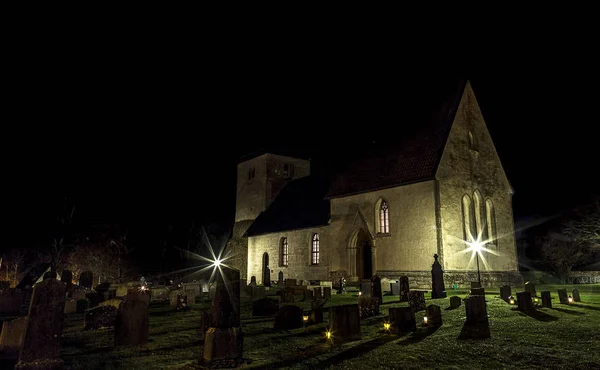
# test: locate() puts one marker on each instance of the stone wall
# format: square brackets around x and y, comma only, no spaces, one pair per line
[463,279]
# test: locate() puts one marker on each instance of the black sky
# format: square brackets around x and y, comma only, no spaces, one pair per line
[151,138]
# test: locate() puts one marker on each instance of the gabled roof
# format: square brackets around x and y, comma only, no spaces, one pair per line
[300,204]
[411,154]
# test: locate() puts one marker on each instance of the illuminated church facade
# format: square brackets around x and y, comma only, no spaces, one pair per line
[441,190]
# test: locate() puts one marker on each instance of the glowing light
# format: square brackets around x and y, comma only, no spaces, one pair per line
[143,287]
[425,320]
[535,300]
[359,294]
[386,326]
[512,301]
[217,263]
[328,334]
[570,299]
[305,318]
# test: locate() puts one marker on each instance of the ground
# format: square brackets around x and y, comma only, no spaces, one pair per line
[564,337]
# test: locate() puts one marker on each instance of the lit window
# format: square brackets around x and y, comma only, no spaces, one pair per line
[284,252]
[491,222]
[288,170]
[315,249]
[384,218]
[469,228]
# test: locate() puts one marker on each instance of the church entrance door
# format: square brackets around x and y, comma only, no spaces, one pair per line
[364,260]
[266,270]
[367,265]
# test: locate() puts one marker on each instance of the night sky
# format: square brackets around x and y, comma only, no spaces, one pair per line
[153,142]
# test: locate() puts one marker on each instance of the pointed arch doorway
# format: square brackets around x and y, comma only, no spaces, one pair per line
[266,270]
[360,258]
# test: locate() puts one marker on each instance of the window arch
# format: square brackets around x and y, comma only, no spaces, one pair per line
[384,218]
[479,213]
[284,252]
[469,230]
[315,250]
[491,222]
[472,141]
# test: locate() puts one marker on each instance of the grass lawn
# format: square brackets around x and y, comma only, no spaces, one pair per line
[564,337]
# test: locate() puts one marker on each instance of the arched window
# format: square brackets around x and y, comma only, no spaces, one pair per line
[491,221]
[468,219]
[284,252]
[315,249]
[384,218]
[472,142]
[479,212]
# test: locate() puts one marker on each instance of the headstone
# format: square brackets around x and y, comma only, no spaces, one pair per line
[524,301]
[136,294]
[173,297]
[252,281]
[131,325]
[434,315]
[211,292]
[182,302]
[317,293]
[546,299]
[223,344]
[416,300]
[454,301]
[375,288]
[505,292]
[82,305]
[70,306]
[562,296]
[258,292]
[288,294]
[475,284]
[94,298]
[576,297]
[344,323]
[395,288]
[476,309]
[100,317]
[41,341]
[67,278]
[280,279]
[265,307]
[86,279]
[327,292]
[438,289]
[290,282]
[288,317]
[368,306]
[530,288]
[404,289]
[78,293]
[402,319]
[365,288]
[477,291]
[308,295]
[316,316]
[122,290]
[206,321]
[11,337]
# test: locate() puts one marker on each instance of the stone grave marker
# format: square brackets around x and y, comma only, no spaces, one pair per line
[434,315]
[546,299]
[265,307]
[477,324]
[252,281]
[173,297]
[368,306]
[455,301]
[182,302]
[78,293]
[131,325]
[206,321]
[122,290]
[505,292]
[416,300]
[100,317]
[344,323]
[395,288]
[404,289]
[70,306]
[94,298]
[290,282]
[524,301]
[258,292]
[438,289]
[317,293]
[86,279]
[475,284]
[327,292]
[308,295]
[11,337]
[477,291]
[402,319]
[365,288]
[288,294]
[562,296]
[576,296]
[41,341]
[67,278]
[280,281]
[530,288]
[288,317]
[375,288]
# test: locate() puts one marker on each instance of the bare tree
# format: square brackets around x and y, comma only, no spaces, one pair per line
[584,225]
[562,254]
[13,261]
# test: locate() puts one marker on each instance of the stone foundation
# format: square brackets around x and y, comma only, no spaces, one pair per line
[422,279]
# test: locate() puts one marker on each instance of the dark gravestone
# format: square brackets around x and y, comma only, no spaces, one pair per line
[288,294]
[206,321]
[505,292]
[308,295]
[223,344]
[376,288]
[454,301]
[546,299]
[41,342]
[280,279]
[576,297]
[78,293]
[475,284]
[70,306]
[290,282]
[265,307]
[344,323]
[477,291]
[259,292]
[438,289]
[404,289]
[316,316]
[317,293]
[86,279]
[288,317]
[327,292]
[138,295]
[403,319]
[416,300]
[530,288]
[94,298]
[82,305]
[524,301]
[434,315]
[131,325]
[477,325]
[67,278]
[11,336]
[368,306]
[562,296]
[395,288]
[182,302]
[252,281]
[100,317]
[365,288]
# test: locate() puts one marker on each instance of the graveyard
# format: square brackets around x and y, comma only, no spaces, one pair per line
[175,331]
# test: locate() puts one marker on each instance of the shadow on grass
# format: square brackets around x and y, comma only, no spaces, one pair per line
[359,350]
[475,331]
[586,307]
[418,336]
[570,312]
[450,308]
[538,315]
[95,351]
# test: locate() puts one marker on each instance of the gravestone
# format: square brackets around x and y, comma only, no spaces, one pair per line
[280,279]
[173,294]
[265,307]
[375,288]
[308,295]
[288,294]
[404,289]
[258,292]
[477,291]
[212,291]
[94,298]
[290,282]
[317,293]
[67,278]
[505,292]
[70,306]
[139,295]
[11,337]
[546,299]
[41,341]
[438,289]
[78,293]
[288,317]
[530,288]
[477,325]
[316,314]
[434,315]
[182,302]
[326,292]
[100,317]
[455,301]
[122,290]
[524,301]
[344,323]
[252,281]
[365,288]
[576,297]
[395,288]
[416,300]
[562,296]
[475,284]
[402,319]
[368,306]
[86,279]
[82,305]
[131,325]
[223,344]
[206,321]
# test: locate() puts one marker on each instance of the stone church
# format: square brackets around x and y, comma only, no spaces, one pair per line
[440,190]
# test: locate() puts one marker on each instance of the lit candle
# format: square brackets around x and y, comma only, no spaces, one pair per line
[425,320]
[328,334]
[359,294]
[570,299]
[535,299]
[386,326]
[305,318]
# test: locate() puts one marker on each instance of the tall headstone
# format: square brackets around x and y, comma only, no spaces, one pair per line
[395,289]
[546,299]
[404,289]
[365,288]
[376,288]
[403,319]
[477,325]
[308,295]
[530,288]
[252,281]
[562,296]
[317,292]
[86,279]
[280,279]
[434,315]
[288,317]
[326,292]
[416,300]
[67,278]
[11,337]
[576,297]
[344,323]
[223,343]
[44,326]
[131,325]
[505,292]
[438,289]
[524,301]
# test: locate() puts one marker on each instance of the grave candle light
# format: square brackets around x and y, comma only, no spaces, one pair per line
[424,320]
[328,334]
[386,326]
[305,318]
[570,299]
